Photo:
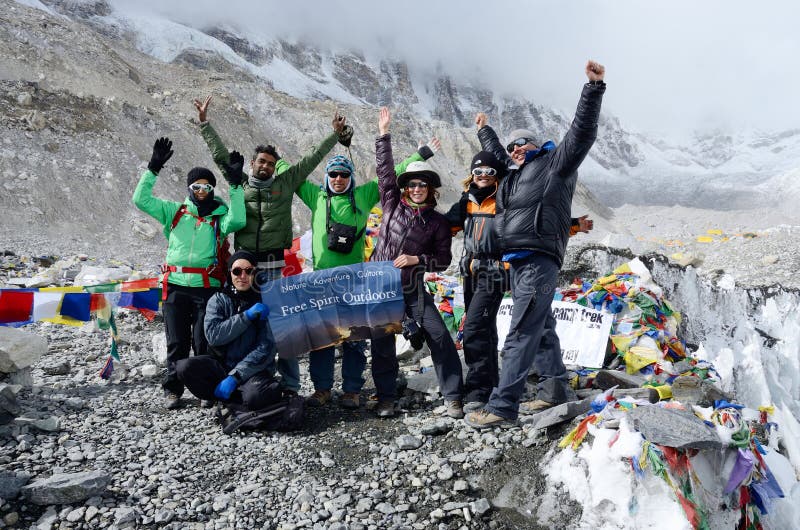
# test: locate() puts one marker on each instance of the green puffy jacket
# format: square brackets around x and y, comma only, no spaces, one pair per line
[366,196]
[269,211]
[191,244]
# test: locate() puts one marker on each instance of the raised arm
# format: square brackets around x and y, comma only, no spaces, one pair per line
[387,178]
[235,218]
[583,131]
[161,210]
[299,172]
[489,140]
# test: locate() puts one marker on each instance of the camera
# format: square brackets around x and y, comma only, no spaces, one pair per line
[413,333]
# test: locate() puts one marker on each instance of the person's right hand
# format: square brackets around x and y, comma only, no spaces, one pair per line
[338,122]
[162,151]
[233,169]
[202,108]
[256,311]
[481,120]
[384,119]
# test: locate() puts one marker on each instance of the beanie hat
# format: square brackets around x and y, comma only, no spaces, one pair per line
[198,173]
[516,134]
[242,254]
[485,158]
[339,164]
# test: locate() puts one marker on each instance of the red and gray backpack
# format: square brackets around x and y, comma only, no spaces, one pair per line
[216,270]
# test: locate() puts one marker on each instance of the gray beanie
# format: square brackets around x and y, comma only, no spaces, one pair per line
[522,133]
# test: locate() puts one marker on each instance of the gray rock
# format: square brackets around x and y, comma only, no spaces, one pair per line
[49,424]
[76,515]
[407,442]
[91,511]
[450,506]
[558,414]
[385,508]
[480,507]
[61,368]
[364,505]
[11,518]
[9,408]
[440,426]
[460,485]
[674,428]
[691,390]
[164,516]
[605,379]
[19,349]
[125,516]
[425,382]
[66,488]
[11,483]
[22,377]
[47,520]
[445,473]
[149,370]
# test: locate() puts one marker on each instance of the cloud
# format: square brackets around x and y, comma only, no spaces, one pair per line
[672,67]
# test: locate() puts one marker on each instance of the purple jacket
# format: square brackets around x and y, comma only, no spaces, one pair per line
[422,232]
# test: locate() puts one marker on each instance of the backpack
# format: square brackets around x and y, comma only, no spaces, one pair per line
[217,269]
[284,416]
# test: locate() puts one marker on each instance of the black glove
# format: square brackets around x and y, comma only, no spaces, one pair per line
[233,169]
[346,136]
[162,151]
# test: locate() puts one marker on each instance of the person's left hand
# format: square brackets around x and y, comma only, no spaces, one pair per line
[585,224]
[225,388]
[404,260]
[595,71]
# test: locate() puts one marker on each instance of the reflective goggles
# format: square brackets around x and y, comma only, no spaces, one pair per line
[417,184]
[519,142]
[237,271]
[208,188]
[484,171]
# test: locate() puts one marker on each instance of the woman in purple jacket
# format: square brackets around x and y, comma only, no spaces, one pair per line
[417,239]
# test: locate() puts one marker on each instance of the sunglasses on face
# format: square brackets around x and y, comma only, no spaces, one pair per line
[208,188]
[484,171]
[339,175]
[519,142]
[416,184]
[237,271]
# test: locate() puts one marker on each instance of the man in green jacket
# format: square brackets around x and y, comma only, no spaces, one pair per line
[268,194]
[194,230]
[340,202]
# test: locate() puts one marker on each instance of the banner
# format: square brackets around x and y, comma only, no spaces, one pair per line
[322,308]
[582,332]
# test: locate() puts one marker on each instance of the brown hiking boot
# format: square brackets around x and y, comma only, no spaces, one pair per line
[350,400]
[483,419]
[532,407]
[455,409]
[318,398]
[172,400]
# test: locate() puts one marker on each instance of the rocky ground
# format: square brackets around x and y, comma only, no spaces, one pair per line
[344,469]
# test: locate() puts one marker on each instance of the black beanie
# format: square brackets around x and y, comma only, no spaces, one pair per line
[485,158]
[198,173]
[242,254]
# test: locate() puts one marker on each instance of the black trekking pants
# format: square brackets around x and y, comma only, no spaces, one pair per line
[202,374]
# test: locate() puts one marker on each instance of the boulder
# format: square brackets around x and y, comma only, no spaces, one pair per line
[19,349]
[558,414]
[692,390]
[676,428]
[9,408]
[11,483]
[67,488]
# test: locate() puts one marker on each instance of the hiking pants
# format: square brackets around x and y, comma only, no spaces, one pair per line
[443,352]
[533,283]
[288,368]
[321,363]
[202,374]
[483,293]
[183,311]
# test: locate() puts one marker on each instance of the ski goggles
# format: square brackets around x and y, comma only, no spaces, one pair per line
[237,271]
[484,171]
[519,142]
[208,188]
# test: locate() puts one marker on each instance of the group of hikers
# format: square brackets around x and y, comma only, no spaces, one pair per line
[515,212]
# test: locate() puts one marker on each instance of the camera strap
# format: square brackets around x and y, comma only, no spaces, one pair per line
[359,233]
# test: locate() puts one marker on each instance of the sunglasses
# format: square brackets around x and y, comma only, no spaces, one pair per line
[480,172]
[519,142]
[208,188]
[417,184]
[237,271]
[338,175]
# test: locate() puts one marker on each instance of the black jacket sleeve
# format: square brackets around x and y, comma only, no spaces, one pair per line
[582,133]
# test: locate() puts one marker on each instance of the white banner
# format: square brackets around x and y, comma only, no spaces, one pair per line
[582,332]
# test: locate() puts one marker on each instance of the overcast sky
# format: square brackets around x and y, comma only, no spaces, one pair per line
[672,67]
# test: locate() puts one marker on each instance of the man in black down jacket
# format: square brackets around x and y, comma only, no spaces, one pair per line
[533,224]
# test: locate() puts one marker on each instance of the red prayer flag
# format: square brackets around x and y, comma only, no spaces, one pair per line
[15,306]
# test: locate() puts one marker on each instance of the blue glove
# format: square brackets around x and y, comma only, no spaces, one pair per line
[225,388]
[256,311]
